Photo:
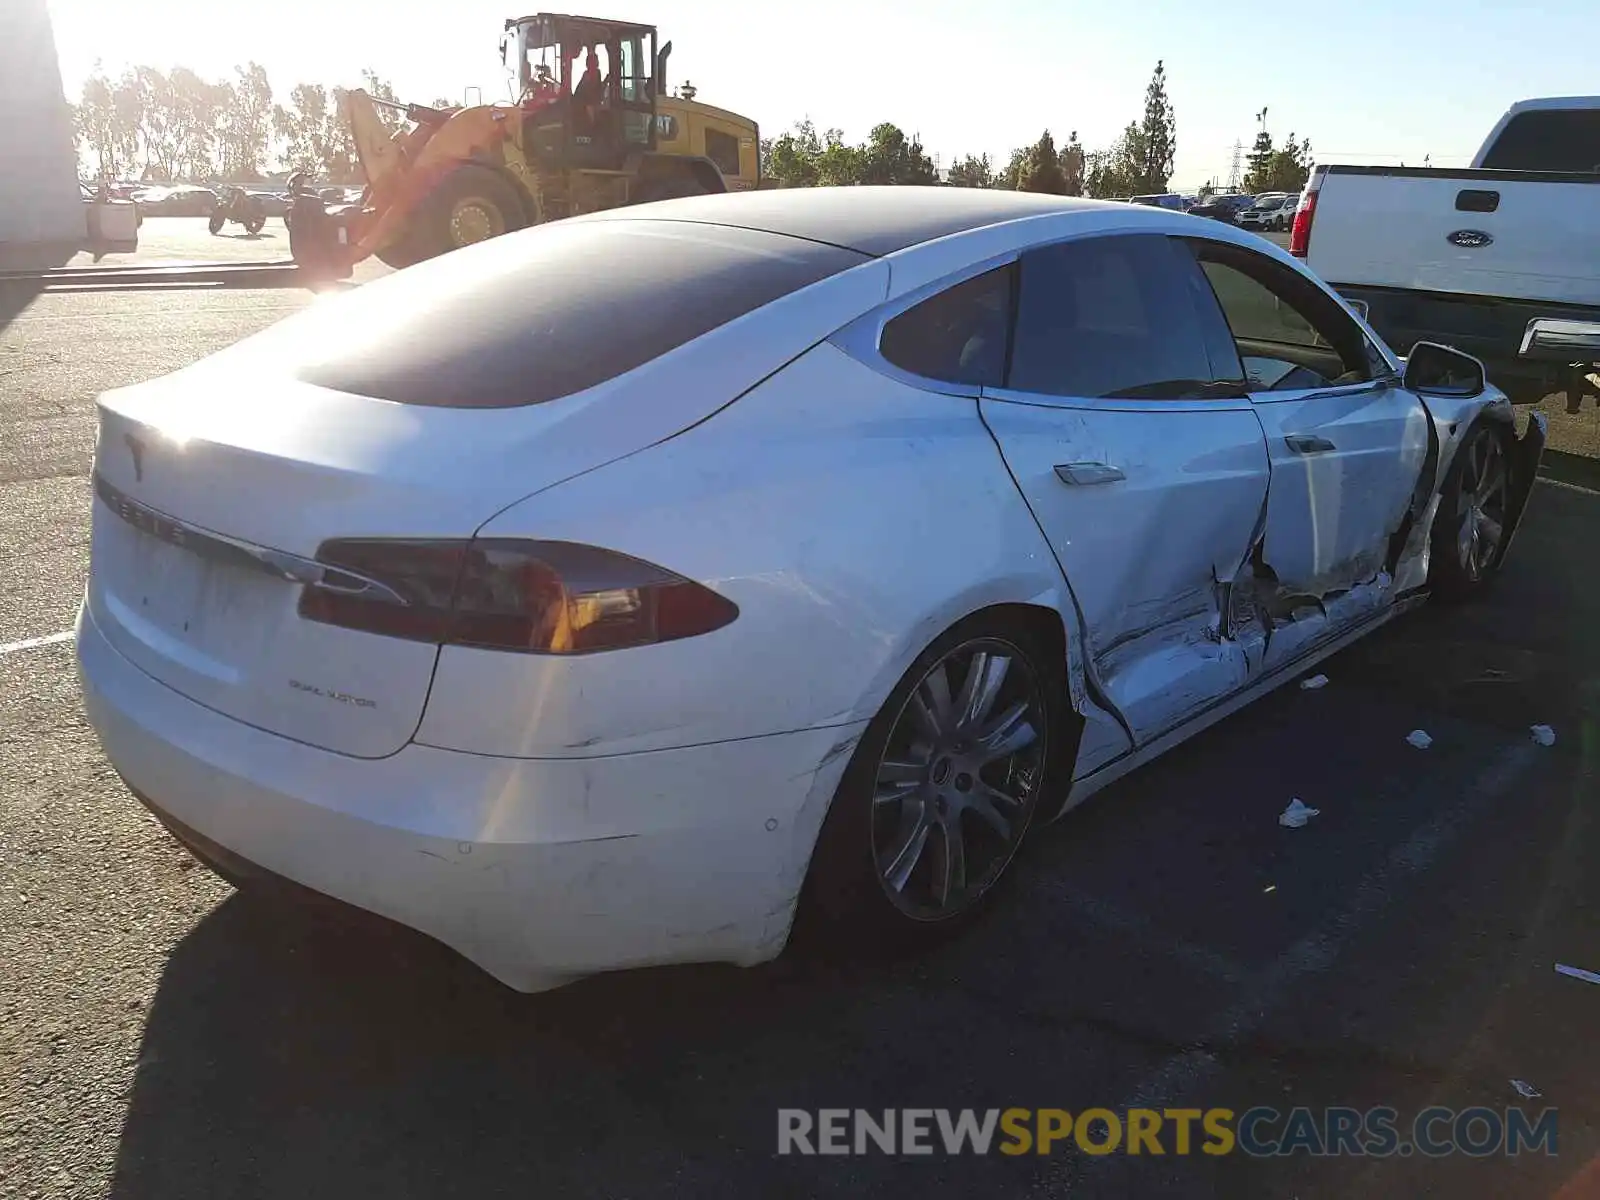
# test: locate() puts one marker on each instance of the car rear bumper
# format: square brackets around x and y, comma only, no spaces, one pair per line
[539,870]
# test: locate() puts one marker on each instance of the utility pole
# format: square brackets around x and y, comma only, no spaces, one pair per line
[1235,172]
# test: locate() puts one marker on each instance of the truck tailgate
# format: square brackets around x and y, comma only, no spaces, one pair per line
[1509,234]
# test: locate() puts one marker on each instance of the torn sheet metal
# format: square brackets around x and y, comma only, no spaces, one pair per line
[1345,468]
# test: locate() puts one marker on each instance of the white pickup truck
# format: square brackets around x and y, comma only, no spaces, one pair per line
[1501,260]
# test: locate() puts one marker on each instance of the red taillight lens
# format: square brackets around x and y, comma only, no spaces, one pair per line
[1300,232]
[508,594]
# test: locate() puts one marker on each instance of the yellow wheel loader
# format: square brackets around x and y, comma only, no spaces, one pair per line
[590,129]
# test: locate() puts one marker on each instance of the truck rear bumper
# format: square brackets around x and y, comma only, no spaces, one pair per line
[1524,364]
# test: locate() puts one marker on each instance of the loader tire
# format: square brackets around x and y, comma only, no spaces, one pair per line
[471,204]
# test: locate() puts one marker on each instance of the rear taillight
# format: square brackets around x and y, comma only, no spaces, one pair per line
[508,594]
[1300,231]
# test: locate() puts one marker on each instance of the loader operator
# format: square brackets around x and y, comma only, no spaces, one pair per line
[586,97]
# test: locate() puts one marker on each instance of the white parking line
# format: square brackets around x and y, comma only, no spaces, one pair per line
[31,643]
[1263,995]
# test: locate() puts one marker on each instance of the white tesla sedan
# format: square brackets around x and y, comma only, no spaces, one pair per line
[601,595]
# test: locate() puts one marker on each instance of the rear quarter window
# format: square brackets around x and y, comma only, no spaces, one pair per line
[534,316]
[1567,141]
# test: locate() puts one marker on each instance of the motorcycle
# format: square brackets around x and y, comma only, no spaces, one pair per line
[240,207]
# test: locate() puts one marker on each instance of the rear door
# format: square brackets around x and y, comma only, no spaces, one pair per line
[1346,442]
[1146,478]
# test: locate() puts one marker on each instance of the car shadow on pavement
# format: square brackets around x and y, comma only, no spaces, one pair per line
[297,1049]
[15,296]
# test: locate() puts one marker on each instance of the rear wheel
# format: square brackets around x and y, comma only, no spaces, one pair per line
[943,786]
[472,204]
[1470,530]
[255,224]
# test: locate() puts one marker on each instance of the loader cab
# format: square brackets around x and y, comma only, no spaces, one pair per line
[587,87]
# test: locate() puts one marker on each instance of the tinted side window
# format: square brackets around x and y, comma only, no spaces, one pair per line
[723,149]
[1109,317]
[540,314]
[1255,312]
[1548,141]
[1290,334]
[957,336]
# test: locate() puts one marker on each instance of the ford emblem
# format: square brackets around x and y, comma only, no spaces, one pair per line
[1470,239]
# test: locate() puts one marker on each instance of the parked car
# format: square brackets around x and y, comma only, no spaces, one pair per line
[1264,212]
[1169,200]
[184,200]
[1222,208]
[1499,259]
[804,547]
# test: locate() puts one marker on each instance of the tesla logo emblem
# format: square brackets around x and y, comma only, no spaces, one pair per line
[1469,239]
[136,448]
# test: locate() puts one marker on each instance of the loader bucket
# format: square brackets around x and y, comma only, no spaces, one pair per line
[376,150]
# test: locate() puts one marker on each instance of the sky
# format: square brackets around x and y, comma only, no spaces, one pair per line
[1368,81]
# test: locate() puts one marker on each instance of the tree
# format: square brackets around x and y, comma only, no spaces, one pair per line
[246,133]
[889,157]
[101,129]
[802,158]
[792,158]
[1072,165]
[195,117]
[1156,147]
[302,126]
[1281,170]
[1016,167]
[1043,170]
[1260,163]
[1116,171]
[972,172]
[149,95]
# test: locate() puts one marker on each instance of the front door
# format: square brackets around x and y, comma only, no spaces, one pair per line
[1347,445]
[1147,479]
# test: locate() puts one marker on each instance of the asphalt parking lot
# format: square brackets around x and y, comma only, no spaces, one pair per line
[1169,945]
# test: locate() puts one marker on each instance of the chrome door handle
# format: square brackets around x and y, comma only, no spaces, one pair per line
[1087,474]
[1306,443]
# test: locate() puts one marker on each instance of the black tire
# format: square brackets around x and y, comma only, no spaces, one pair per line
[401,252]
[255,224]
[672,187]
[430,231]
[847,900]
[216,222]
[1460,567]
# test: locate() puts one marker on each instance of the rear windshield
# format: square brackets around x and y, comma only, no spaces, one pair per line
[541,314]
[1565,141]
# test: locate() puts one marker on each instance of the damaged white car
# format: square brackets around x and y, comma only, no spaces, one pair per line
[602,595]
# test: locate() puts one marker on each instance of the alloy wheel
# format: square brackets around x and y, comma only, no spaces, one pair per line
[1481,505]
[474,220]
[958,778]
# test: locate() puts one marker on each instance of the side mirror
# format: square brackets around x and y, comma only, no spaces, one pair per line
[1435,370]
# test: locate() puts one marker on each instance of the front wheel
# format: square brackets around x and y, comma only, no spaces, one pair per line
[943,785]
[216,223]
[1470,530]
[471,204]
